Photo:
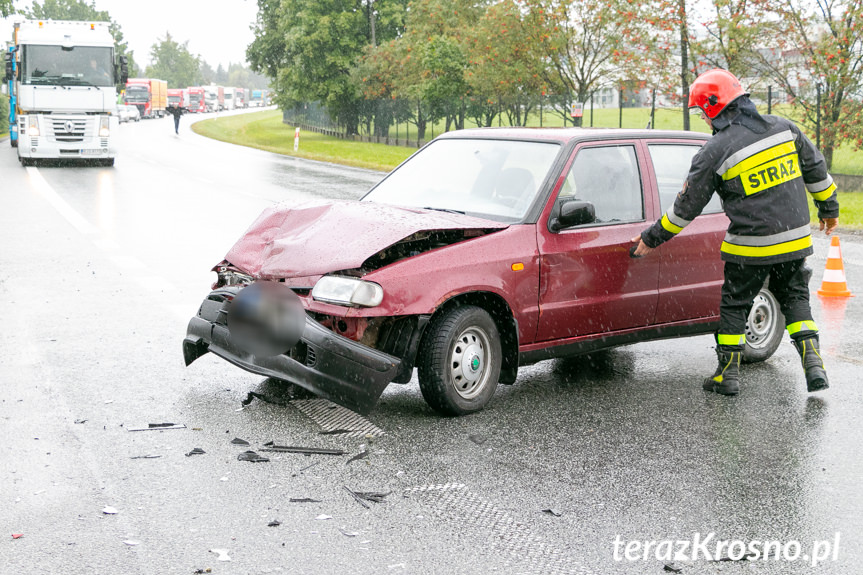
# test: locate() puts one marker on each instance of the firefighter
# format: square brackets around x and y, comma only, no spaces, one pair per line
[763,168]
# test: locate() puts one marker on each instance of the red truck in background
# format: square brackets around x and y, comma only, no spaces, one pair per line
[197,101]
[149,95]
[176,96]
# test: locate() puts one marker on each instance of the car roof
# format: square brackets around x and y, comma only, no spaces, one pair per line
[567,135]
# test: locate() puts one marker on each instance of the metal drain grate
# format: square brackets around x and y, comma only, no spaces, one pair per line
[332,417]
[525,553]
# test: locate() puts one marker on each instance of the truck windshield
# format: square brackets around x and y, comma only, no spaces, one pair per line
[195,98]
[137,93]
[80,66]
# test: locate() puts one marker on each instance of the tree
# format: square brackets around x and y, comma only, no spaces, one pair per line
[583,44]
[81,10]
[207,75]
[819,50]
[6,8]
[311,47]
[172,61]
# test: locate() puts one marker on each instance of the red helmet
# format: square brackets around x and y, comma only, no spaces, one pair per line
[713,91]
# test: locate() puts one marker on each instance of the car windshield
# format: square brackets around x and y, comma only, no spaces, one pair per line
[79,66]
[494,179]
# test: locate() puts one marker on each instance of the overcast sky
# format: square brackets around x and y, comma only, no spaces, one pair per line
[217,30]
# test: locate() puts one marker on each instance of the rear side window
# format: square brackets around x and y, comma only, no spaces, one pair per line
[607,177]
[671,165]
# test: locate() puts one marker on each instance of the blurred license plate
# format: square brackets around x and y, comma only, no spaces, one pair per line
[90,152]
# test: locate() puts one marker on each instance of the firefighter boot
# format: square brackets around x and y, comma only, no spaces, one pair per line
[813,365]
[726,380]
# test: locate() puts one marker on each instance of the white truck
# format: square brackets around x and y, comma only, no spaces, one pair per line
[230,98]
[63,94]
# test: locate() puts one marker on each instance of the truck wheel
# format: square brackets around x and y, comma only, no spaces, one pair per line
[459,361]
[13,143]
[27,161]
[764,328]
[107,162]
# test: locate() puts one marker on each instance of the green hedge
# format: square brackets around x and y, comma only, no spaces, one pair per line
[4,114]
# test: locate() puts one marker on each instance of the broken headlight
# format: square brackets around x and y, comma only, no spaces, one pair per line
[348,291]
[230,277]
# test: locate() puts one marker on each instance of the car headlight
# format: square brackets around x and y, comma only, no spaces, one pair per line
[348,291]
[104,126]
[33,126]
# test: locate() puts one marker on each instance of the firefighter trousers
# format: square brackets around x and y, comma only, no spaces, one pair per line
[789,283]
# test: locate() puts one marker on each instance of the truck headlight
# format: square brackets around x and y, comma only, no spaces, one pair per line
[348,291]
[104,126]
[33,126]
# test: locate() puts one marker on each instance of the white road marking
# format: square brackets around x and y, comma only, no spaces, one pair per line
[109,247]
[44,189]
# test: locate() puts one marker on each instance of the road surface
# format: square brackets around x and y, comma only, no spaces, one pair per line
[577,462]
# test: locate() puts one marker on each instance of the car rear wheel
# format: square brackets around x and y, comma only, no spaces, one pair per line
[764,328]
[459,361]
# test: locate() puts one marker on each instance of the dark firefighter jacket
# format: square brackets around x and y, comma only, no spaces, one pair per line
[175,111]
[762,168]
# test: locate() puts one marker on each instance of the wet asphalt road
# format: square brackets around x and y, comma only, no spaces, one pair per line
[101,270]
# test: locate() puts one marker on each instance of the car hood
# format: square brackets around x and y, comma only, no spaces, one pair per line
[319,237]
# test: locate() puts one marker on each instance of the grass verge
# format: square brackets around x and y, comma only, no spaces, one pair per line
[265,131]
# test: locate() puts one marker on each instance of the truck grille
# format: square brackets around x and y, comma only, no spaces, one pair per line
[71,129]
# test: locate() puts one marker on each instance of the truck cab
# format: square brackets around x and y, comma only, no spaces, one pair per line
[63,77]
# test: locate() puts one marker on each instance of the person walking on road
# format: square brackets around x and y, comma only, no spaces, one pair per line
[762,168]
[176,110]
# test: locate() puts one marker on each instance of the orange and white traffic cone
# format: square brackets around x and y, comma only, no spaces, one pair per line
[833,284]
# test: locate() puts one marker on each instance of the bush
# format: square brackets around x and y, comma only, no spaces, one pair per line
[4,114]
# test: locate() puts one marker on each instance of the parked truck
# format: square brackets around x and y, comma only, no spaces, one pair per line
[215,98]
[62,78]
[176,96]
[197,102]
[230,98]
[258,99]
[240,98]
[149,95]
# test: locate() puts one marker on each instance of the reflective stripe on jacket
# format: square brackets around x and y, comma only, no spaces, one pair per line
[763,180]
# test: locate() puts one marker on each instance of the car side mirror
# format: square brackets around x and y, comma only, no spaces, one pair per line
[124,69]
[8,57]
[573,213]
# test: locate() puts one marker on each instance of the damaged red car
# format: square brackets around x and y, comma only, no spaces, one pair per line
[486,250]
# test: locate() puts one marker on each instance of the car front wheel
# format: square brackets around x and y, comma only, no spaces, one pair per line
[460,359]
[764,328]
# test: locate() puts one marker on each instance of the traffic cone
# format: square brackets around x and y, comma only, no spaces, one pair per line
[833,284]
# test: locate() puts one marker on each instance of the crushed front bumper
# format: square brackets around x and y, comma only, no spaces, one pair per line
[329,365]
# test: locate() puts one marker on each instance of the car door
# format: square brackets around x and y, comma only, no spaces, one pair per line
[691,272]
[588,282]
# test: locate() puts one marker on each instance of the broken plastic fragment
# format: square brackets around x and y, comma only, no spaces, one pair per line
[158,427]
[478,439]
[131,543]
[222,554]
[363,496]
[554,512]
[347,533]
[252,457]
[362,454]
[265,398]
[303,500]
[202,571]
[146,457]
[274,523]
[17,535]
[323,517]
[196,451]
[80,421]
[270,446]
[673,568]
[110,511]
[238,441]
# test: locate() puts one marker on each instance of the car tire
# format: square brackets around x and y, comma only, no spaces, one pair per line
[765,327]
[459,361]
[26,162]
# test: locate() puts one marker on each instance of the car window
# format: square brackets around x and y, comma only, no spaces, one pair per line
[496,179]
[671,164]
[607,177]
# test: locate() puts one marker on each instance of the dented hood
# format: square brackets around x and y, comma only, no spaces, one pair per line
[319,237]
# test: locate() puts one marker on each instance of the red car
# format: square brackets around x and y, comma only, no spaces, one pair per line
[486,250]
